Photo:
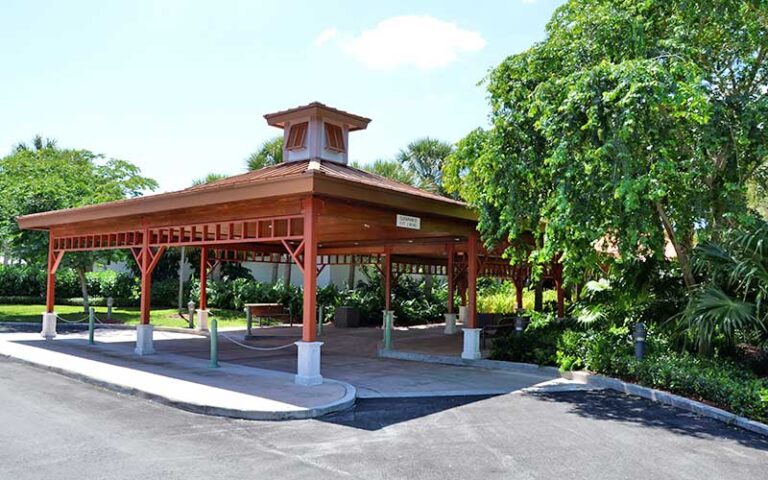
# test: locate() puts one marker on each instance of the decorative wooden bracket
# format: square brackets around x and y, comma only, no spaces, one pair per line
[295,253]
[57,257]
[154,257]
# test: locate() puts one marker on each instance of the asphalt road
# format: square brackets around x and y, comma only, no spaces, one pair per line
[53,427]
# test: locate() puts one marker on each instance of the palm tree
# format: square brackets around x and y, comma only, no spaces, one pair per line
[211,177]
[389,169]
[733,304]
[425,157]
[269,153]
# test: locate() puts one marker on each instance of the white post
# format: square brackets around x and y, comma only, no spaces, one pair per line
[471,344]
[49,326]
[450,323]
[463,314]
[308,364]
[202,320]
[144,342]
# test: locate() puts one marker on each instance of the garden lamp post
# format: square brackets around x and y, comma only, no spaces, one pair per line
[638,335]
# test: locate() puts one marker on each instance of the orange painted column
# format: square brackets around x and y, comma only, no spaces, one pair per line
[50,288]
[449,270]
[472,258]
[519,289]
[146,278]
[388,280]
[309,326]
[203,278]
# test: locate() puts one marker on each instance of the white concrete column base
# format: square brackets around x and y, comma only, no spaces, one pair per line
[471,344]
[308,364]
[49,326]
[463,314]
[202,321]
[145,345]
[450,323]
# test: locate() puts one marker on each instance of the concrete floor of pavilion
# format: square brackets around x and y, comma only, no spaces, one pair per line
[348,355]
[351,355]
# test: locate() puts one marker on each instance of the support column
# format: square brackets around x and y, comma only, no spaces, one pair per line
[519,290]
[308,364]
[449,270]
[202,312]
[147,262]
[48,330]
[388,279]
[471,332]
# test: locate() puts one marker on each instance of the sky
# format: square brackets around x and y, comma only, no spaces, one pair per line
[180,88]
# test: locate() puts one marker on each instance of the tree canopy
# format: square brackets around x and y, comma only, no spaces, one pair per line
[269,153]
[390,169]
[425,158]
[44,177]
[633,122]
[210,178]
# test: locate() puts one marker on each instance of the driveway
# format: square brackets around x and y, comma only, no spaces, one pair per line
[55,427]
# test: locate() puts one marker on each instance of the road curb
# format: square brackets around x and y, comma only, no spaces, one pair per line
[346,402]
[666,398]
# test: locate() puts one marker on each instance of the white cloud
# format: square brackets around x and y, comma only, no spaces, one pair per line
[421,41]
[325,36]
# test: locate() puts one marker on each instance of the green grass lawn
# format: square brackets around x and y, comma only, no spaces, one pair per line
[167,317]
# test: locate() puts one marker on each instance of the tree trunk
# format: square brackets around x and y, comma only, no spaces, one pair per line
[682,254]
[182,261]
[83,287]
[275,267]
[287,275]
[427,284]
[538,297]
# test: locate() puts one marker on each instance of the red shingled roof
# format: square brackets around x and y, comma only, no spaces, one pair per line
[332,169]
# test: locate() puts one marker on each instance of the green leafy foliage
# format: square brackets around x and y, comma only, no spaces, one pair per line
[632,123]
[731,305]
[269,153]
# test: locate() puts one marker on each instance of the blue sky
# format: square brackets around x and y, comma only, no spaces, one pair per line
[180,87]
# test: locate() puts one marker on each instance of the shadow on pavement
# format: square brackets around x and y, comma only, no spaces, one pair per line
[618,407]
[376,413]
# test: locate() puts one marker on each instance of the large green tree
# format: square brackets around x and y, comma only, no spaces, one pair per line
[41,177]
[633,123]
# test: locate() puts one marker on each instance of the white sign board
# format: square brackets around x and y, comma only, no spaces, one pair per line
[407,221]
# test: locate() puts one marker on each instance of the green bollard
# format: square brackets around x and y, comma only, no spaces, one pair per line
[320,321]
[91,324]
[388,329]
[248,323]
[213,327]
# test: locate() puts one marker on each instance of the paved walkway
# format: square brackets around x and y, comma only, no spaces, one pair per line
[182,381]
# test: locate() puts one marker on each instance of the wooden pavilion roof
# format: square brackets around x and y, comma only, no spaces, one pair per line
[309,177]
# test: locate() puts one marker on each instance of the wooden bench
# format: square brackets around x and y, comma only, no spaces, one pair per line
[494,325]
[262,311]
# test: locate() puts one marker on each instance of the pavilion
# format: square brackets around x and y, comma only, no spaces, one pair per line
[313,209]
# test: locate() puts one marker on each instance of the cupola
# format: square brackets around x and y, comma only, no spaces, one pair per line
[316,132]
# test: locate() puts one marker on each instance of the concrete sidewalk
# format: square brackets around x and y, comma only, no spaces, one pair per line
[184,382]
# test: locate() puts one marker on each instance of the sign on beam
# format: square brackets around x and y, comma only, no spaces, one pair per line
[407,221]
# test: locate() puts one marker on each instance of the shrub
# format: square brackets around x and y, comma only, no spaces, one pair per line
[536,344]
